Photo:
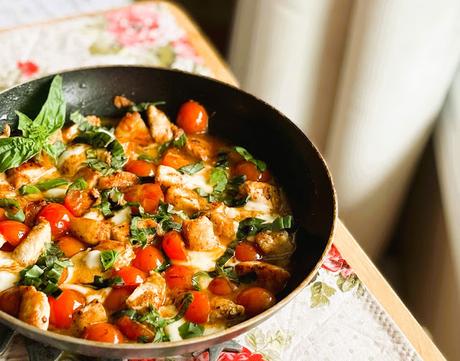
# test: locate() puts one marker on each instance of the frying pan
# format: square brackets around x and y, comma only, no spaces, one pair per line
[235,116]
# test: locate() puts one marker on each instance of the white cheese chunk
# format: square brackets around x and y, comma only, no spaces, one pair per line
[8,280]
[172,330]
[121,216]
[93,259]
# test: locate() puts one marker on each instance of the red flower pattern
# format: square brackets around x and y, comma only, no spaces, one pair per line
[27,68]
[334,263]
[244,355]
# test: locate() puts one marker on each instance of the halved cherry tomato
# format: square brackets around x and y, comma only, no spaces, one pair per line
[103,332]
[10,301]
[179,277]
[251,172]
[115,300]
[70,245]
[221,286]
[141,168]
[148,195]
[148,259]
[135,330]
[192,117]
[131,276]
[255,300]
[58,216]
[199,309]
[63,307]
[78,202]
[175,159]
[13,232]
[246,252]
[173,246]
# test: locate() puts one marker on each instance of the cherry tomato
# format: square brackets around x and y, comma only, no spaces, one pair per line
[78,202]
[63,307]
[246,252]
[103,332]
[148,259]
[192,117]
[199,309]
[148,195]
[10,301]
[173,158]
[131,276]
[173,246]
[135,330]
[115,300]
[70,246]
[251,172]
[13,232]
[58,216]
[221,286]
[141,168]
[255,300]
[179,277]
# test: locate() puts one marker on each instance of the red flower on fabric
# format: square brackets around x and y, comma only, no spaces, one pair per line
[334,261]
[27,68]
[244,355]
[135,25]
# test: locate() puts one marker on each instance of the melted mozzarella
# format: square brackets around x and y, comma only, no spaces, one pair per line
[210,329]
[72,151]
[89,293]
[93,259]
[121,216]
[172,330]
[56,192]
[198,180]
[257,206]
[94,214]
[205,261]
[8,280]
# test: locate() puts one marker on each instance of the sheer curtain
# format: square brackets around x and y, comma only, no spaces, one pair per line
[364,79]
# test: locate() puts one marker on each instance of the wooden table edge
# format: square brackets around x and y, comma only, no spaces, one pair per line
[384,293]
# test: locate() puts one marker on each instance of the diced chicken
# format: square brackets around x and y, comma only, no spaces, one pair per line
[262,196]
[161,128]
[89,230]
[168,176]
[86,265]
[120,232]
[28,251]
[269,276]
[93,312]
[151,293]
[119,180]
[6,190]
[224,221]
[90,176]
[27,173]
[122,102]
[132,128]
[31,210]
[224,309]
[125,252]
[201,148]
[35,308]
[275,243]
[72,159]
[185,199]
[10,300]
[199,234]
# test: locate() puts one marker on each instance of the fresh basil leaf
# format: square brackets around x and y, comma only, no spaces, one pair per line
[153,319]
[54,150]
[119,157]
[249,227]
[190,329]
[229,252]
[142,107]
[25,124]
[51,183]
[27,189]
[13,210]
[248,157]
[111,199]
[180,142]
[186,302]
[282,223]
[192,168]
[16,150]
[81,121]
[164,218]
[197,278]
[97,138]
[218,179]
[108,258]
[101,282]
[78,184]
[140,236]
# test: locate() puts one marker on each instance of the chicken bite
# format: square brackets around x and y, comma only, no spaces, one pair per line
[269,276]
[185,199]
[118,180]
[89,230]
[30,249]
[93,312]
[161,128]
[34,308]
[150,293]
[225,309]
[199,234]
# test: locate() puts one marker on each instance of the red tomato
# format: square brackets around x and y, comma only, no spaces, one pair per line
[173,246]
[192,117]
[199,309]
[255,300]
[251,172]
[131,276]
[115,300]
[13,231]
[173,158]
[246,252]
[148,259]
[58,216]
[141,168]
[135,330]
[148,195]
[63,307]
[179,277]
[70,246]
[221,286]
[103,332]
[78,202]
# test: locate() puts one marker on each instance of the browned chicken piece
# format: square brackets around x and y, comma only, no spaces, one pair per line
[224,309]
[149,223]
[272,277]
[132,128]
[31,210]
[35,308]
[151,293]
[27,173]
[161,128]
[263,193]
[201,148]
[86,199]
[199,234]
[90,176]
[119,180]
[89,230]
[122,102]
[224,223]
[185,199]
[6,189]
[10,300]
[275,243]
[72,159]
[93,312]
[168,176]
[120,232]
[30,249]
[125,252]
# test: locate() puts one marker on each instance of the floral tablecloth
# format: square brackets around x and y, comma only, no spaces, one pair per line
[335,317]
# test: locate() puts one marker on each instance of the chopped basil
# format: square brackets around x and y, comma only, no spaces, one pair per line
[146,157]
[197,279]
[153,319]
[218,179]
[101,282]
[177,143]
[180,142]
[186,302]
[54,150]
[164,218]
[108,258]
[81,121]
[12,209]
[190,329]
[252,226]
[111,199]
[140,236]
[229,252]
[28,189]
[142,107]
[78,184]
[42,186]
[192,168]
[248,157]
